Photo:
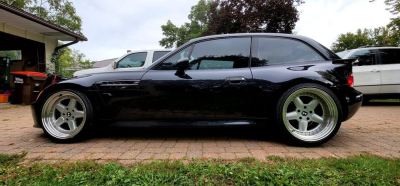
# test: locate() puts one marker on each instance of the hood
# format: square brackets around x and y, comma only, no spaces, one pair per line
[91,71]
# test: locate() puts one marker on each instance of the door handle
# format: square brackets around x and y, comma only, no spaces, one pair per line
[375,70]
[235,80]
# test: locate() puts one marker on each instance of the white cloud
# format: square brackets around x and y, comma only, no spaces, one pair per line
[113,27]
[325,20]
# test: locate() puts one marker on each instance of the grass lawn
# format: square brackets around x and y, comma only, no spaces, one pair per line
[386,100]
[360,170]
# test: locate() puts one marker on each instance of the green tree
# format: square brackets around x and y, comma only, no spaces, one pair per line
[60,12]
[352,40]
[72,58]
[211,17]
[176,36]
[243,16]
[388,35]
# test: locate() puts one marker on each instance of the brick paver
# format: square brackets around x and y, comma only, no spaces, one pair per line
[374,130]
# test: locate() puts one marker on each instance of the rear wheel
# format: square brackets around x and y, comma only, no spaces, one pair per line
[309,114]
[66,115]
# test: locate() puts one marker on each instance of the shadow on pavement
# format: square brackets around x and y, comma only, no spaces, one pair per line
[381,104]
[193,133]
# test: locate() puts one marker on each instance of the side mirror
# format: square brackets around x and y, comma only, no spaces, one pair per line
[114,64]
[357,62]
[182,65]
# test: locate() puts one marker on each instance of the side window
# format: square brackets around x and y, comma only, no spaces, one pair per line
[133,60]
[221,54]
[365,57]
[158,54]
[390,56]
[170,63]
[272,51]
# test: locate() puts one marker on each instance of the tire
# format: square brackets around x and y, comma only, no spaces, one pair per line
[66,115]
[309,114]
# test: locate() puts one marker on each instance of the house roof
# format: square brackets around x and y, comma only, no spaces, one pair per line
[103,63]
[19,18]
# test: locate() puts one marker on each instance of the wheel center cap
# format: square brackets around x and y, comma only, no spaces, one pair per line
[304,113]
[69,114]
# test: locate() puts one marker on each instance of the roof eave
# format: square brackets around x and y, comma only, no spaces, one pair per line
[38,20]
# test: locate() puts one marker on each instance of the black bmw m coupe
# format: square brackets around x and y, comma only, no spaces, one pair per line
[288,81]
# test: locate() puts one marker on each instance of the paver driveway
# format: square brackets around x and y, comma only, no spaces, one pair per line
[374,130]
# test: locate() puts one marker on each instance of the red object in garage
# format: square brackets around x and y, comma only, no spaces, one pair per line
[27,86]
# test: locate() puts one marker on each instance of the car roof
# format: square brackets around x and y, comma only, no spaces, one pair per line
[251,35]
[155,50]
[352,51]
[369,48]
[322,49]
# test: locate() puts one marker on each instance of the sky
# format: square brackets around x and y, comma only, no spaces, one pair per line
[113,28]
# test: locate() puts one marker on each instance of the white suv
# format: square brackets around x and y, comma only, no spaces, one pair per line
[130,61]
[376,72]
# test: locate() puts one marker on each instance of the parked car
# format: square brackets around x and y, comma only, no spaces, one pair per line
[130,61]
[223,80]
[376,71]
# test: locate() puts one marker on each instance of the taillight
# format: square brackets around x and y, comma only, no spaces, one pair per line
[350,80]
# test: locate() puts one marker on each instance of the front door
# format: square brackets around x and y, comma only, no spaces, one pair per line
[216,86]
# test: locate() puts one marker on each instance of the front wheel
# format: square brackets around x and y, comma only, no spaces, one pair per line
[66,115]
[309,114]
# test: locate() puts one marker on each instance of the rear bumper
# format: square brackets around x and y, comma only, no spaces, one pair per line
[34,116]
[353,100]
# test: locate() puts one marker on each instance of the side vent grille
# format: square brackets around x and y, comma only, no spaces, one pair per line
[124,84]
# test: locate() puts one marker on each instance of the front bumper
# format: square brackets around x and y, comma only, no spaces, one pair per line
[34,116]
[353,100]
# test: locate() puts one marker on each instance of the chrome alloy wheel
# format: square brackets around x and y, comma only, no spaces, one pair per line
[63,115]
[310,114]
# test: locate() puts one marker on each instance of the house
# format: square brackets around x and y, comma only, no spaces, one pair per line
[31,41]
[96,64]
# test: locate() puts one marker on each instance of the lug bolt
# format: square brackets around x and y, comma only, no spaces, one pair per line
[305,107]
[301,118]
[310,112]
[298,111]
[308,118]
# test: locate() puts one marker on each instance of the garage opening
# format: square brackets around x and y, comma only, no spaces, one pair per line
[19,54]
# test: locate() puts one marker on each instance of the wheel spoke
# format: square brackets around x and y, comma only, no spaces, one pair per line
[291,115]
[317,119]
[313,104]
[72,124]
[303,125]
[60,107]
[60,121]
[79,114]
[297,101]
[71,104]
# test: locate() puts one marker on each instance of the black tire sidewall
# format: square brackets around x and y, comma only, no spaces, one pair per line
[287,135]
[89,118]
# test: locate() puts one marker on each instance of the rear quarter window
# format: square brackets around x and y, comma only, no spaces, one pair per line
[390,56]
[273,51]
[158,54]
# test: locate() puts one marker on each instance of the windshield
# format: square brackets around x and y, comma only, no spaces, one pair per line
[344,53]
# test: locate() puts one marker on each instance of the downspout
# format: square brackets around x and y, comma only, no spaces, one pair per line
[55,53]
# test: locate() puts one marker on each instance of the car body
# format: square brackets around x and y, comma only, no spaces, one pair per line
[377,71]
[234,79]
[128,62]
